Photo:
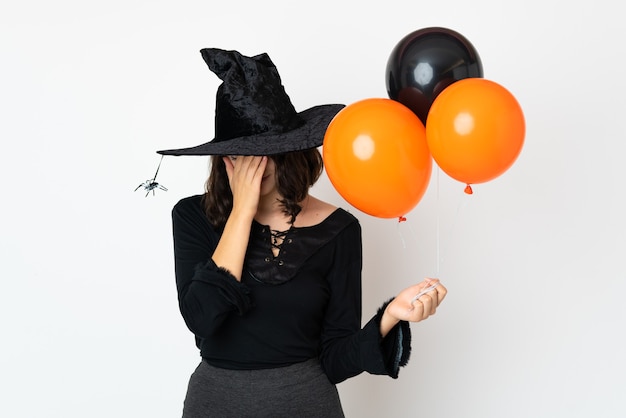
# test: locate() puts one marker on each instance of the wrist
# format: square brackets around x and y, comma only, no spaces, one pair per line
[387,321]
[242,213]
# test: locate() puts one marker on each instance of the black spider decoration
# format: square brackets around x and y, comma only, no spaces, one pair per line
[151,184]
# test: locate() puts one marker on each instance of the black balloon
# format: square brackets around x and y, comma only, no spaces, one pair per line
[427,61]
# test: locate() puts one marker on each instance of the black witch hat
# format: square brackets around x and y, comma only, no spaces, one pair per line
[254,115]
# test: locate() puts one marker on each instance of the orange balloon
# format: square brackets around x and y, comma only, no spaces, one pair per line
[377,158]
[475,130]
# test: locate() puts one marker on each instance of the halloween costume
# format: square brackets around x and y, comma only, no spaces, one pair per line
[276,342]
[309,309]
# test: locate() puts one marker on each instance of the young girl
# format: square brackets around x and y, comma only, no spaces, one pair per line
[268,276]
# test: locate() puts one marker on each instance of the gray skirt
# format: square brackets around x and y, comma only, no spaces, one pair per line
[301,390]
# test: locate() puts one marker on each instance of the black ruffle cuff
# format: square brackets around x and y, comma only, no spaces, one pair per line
[397,344]
[233,291]
[385,356]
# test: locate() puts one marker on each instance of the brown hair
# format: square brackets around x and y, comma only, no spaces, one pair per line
[295,173]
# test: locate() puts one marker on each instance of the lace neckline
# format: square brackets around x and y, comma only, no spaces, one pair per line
[277,238]
[268,266]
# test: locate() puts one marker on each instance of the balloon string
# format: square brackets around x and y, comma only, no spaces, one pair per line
[465,198]
[438,255]
[401,236]
[447,241]
[401,221]
[439,258]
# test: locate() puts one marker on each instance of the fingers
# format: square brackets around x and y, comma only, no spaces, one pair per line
[247,167]
[244,171]
[245,175]
[435,290]
[425,287]
[428,306]
[431,294]
[441,293]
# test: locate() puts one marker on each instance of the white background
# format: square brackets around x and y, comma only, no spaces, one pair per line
[534,322]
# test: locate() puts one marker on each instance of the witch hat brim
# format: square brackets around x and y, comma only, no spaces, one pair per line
[309,135]
[254,115]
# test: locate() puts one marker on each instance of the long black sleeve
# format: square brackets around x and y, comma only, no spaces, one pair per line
[207,295]
[348,349]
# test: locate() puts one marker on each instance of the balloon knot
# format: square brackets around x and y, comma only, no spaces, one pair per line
[401,219]
[468,189]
